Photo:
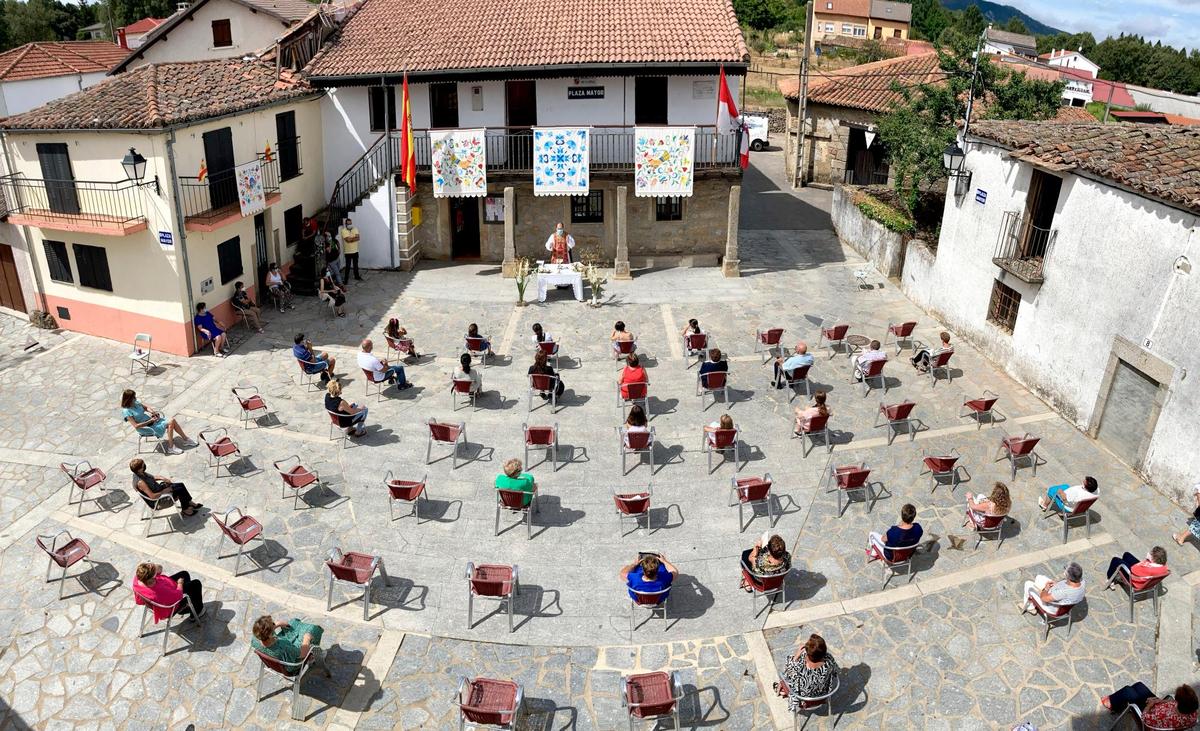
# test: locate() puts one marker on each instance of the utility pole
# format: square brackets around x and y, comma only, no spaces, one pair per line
[797,180]
[974,75]
[1108,104]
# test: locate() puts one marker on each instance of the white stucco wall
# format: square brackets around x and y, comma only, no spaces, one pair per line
[21,96]
[1166,102]
[1109,273]
[372,218]
[192,39]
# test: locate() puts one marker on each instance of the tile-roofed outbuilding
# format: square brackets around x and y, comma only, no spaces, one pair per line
[145,25]
[157,96]
[1156,160]
[394,36]
[868,86]
[43,59]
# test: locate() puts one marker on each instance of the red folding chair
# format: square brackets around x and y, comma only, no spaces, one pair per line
[768,341]
[622,348]
[634,505]
[478,348]
[940,362]
[851,480]
[220,446]
[541,437]
[369,381]
[1152,588]
[652,697]
[751,491]
[309,379]
[766,586]
[250,403]
[873,371]
[1019,449]
[402,346]
[550,348]
[149,605]
[540,383]
[293,674]
[492,581]
[634,393]
[296,477]
[724,441]
[986,525]
[942,467]
[833,336]
[710,384]
[1054,613]
[901,560]
[635,442]
[514,501]
[899,333]
[356,570]
[654,601]
[979,408]
[462,387]
[896,417]
[241,529]
[810,705]
[446,435]
[695,345]
[71,552]
[405,491]
[794,378]
[84,476]
[1083,510]
[817,426]
[484,702]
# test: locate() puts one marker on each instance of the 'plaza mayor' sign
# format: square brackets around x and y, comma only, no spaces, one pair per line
[585,92]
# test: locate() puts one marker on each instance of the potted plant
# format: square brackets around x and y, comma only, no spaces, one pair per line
[524,272]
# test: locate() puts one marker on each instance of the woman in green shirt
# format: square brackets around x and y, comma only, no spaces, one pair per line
[514,479]
[288,642]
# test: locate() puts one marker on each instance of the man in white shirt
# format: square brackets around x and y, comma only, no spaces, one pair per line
[1067,498]
[870,355]
[799,358]
[1049,594]
[379,369]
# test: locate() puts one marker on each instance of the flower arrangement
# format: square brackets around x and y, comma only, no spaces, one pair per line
[524,272]
[595,278]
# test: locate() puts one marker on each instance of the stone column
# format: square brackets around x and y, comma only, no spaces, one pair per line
[509,268]
[731,265]
[621,264]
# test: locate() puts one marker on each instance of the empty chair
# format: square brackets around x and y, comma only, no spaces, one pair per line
[635,442]
[239,528]
[1019,449]
[463,387]
[634,393]
[293,674]
[354,569]
[810,430]
[405,491]
[695,345]
[872,371]
[542,383]
[751,491]
[84,476]
[851,480]
[899,333]
[723,440]
[520,502]
[71,552]
[1082,511]
[710,384]
[896,417]
[140,355]
[634,505]
[492,581]
[446,435]
[1151,588]
[250,403]
[942,468]
[486,702]
[542,437]
[833,335]
[794,378]
[979,408]
[219,446]
[940,362]
[768,341]
[652,697]
[550,348]
[478,348]
[296,477]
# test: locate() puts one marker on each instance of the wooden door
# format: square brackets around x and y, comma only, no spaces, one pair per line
[60,181]
[650,100]
[285,137]
[218,154]
[443,106]
[10,283]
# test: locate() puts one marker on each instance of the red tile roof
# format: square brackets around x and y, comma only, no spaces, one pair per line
[1160,161]
[163,95]
[869,86]
[145,25]
[393,36]
[1073,114]
[43,59]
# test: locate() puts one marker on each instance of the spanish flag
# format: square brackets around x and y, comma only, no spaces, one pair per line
[267,153]
[408,155]
[203,171]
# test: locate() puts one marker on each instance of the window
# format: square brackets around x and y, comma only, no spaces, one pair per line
[668,209]
[293,224]
[57,261]
[383,102]
[896,33]
[860,31]
[878,33]
[222,33]
[289,145]
[847,29]
[588,208]
[1002,311]
[229,259]
[92,262]
[829,27]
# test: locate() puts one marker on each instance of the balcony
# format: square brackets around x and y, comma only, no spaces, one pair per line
[1022,249]
[212,203]
[81,206]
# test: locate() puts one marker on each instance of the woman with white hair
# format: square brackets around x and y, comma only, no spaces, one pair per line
[1047,592]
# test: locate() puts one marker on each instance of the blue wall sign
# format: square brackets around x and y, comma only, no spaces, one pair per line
[980,195]
[165,238]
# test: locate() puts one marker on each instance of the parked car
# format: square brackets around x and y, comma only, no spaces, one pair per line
[759,126]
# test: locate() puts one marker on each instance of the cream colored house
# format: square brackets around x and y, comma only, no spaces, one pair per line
[114,255]
[839,22]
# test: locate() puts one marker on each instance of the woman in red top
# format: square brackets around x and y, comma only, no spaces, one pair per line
[633,372]
[1165,713]
[151,585]
[1141,572]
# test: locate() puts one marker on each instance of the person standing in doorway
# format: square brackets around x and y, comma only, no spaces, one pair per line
[348,233]
[559,245]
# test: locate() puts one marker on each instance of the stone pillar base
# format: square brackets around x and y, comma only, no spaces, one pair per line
[732,268]
[621,270]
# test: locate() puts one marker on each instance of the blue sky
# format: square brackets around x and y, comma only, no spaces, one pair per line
[1172,21]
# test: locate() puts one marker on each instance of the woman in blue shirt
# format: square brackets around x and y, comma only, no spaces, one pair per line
[149,422]
[907,533]
[210,328]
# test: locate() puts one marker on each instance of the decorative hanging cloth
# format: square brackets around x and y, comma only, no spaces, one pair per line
[561,160]
[663,160]
[459,163]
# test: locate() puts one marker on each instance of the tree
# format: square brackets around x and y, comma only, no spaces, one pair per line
[758,14]
[1015,25]
[929,18]
[971,22]
[31,21]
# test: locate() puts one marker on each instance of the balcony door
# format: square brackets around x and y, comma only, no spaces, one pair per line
[650,100]
[60,181]
[1040,205]
[285,137]
[443,106]
[218,155]
[520,99]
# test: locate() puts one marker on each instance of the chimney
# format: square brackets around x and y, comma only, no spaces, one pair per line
[121,40]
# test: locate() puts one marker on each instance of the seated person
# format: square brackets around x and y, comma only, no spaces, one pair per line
[1049,594]
[313,362]
[870,355]
[723,423]
[151,585]
[473,332]
[922,357]
[1193,523]
[767,560]
[352,418]
[379,369]
[333,291]
[907,533]
[636,421]
[1067,498]
[394,332]
[652,572]
[806,415]
[692,328]
[152,487]
[541,366]
[714,363]
[1141,572]
[466,373]
[809,673]
[211,328]
[980,506]
[242,301]
[1175,713]
[514,479]
[541,336]
[621,335]
[633,372]
[799,358]
[281,291]
[289,642]
[149,422]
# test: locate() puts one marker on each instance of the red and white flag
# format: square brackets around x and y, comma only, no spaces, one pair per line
[727,111]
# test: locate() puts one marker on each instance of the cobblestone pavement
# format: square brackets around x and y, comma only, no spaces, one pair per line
[945,646]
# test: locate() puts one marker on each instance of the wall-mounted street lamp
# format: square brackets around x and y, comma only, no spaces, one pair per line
[135,167]
[952,159]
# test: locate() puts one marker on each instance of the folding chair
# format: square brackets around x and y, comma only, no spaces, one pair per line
[484,702]
[513,501]
[768,341]
[405,491]
[873,371]
[477,347]
[655,601]
[293,673]
[462,386]
[652,697]
[250,402]
[978,408]
[812,705]
[446,435]
[542,437]
[751,491]
[766,586]
[160,505]
[940,362]
[241,529]
[309,379]
[796,377]
[71,552]
[144,438]
[1018,449]
[942,467]
[901,560]
[635,393]
[851,480]
[833,336]
[550,348]
[724,441]
[84,476]
[897,416]
[1152,588]
[297,477]
[492,581]
[986,525]
[622,348]
[635,442]
[148,606]
[541,383]
[140,355]
[899,333]
[1083,509]
[1054,613]
[710,384]
[633,505]
[219,447]
[354,569]
[369,381]
[242,315]
[810,430]
[402,347]
[695,345]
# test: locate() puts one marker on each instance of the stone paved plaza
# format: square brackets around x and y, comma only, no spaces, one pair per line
[946,649]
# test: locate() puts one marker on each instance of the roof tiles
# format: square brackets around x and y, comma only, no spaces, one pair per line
[41,59]
[868,86]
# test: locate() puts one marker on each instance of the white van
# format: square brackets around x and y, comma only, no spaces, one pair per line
[759,126]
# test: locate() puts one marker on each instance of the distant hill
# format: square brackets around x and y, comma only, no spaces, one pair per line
[1000,14]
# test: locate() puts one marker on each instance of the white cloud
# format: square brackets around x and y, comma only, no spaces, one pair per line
[1158,20]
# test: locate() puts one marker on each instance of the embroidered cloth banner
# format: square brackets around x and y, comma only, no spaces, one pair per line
[459,163]
[560,160]
[251,198]
[662,161]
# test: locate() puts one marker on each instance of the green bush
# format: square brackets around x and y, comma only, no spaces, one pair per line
[890,218]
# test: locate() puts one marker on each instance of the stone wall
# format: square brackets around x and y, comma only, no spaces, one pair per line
[881,247]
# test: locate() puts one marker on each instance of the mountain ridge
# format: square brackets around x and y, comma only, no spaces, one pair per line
[1000,14]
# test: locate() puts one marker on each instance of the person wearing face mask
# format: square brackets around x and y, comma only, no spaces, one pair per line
[559,245]
[348,233]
